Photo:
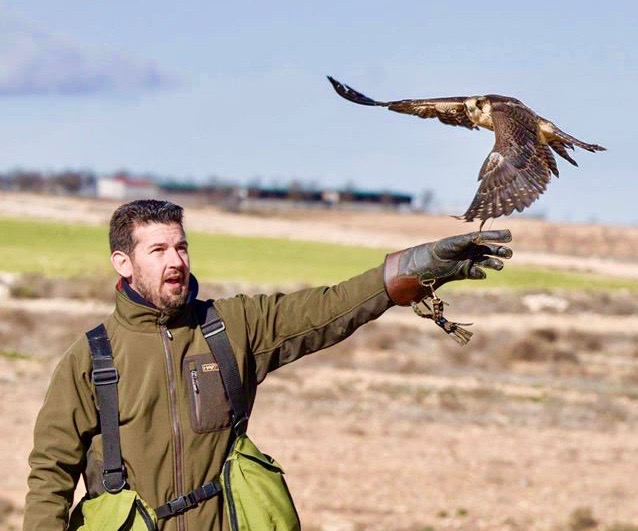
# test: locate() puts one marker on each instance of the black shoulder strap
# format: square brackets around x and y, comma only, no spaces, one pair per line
[105,379]
[214,331]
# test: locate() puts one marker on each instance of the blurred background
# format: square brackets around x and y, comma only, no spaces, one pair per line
[237,92]
[224,107]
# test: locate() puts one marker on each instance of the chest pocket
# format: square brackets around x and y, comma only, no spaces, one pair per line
[209,406]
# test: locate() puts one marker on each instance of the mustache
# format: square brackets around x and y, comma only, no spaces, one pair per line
[175,274]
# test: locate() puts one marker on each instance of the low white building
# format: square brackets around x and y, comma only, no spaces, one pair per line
[127,188]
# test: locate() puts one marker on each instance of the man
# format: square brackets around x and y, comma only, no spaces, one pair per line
[174,430]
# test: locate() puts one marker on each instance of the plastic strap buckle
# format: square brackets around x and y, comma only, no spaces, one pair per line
[105,376]
[182,504]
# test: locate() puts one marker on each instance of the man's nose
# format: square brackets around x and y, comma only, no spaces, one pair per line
[175,259]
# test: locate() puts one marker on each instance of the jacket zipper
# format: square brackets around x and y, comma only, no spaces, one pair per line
[232,511]
[177,432]
[198,405]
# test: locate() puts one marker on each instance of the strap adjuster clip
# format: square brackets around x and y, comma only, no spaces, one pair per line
[105,376]
[213,328]
[110,477]
[182,504]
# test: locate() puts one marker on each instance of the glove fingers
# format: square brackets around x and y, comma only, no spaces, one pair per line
[493,249]
[493,236]
[489,261]
[474,243]
[476,273]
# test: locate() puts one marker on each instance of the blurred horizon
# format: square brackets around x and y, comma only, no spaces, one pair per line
[238,92]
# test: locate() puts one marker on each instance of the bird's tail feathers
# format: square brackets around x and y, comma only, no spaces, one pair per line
[548,157]
[559,148]
[469,218]
[570,141]
[352,95]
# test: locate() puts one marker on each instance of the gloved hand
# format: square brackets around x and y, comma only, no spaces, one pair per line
[453,258]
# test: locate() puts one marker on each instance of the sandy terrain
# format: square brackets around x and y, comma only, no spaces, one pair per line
[532,426]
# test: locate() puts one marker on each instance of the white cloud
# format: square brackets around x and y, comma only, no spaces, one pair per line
[36,62]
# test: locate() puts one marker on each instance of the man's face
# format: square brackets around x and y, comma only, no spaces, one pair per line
[159,265]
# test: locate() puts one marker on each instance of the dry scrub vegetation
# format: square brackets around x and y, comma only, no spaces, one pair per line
[398,427]
[533,426]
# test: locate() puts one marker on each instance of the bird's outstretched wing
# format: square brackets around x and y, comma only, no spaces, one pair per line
[519,167]
[450,111]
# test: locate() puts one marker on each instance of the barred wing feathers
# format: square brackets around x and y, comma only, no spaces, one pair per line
[519,167]
[450,111]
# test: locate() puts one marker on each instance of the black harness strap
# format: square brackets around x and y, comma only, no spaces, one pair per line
[105,380]
[188,501]
[214,332]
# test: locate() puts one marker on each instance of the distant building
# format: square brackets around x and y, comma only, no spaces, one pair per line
[189,194]
[282,198]
[127,188]
[371,200]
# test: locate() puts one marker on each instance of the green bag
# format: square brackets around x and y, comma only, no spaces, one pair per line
[256,497]
[123,511]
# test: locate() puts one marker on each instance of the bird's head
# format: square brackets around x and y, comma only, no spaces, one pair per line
[479,104]
[479,110]
[483,104]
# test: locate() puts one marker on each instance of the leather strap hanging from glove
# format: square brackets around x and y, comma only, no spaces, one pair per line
[454,330]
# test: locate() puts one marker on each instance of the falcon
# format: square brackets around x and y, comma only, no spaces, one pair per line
[521,163]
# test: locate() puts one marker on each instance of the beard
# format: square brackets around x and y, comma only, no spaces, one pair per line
[170,304]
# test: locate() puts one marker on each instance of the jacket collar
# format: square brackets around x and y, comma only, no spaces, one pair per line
[134,311]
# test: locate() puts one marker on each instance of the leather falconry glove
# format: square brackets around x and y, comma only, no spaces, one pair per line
[409,272]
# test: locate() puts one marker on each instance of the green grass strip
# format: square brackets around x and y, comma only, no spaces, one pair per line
[13,355]
[277,261]
[53,249]
[526,278]
[63,250]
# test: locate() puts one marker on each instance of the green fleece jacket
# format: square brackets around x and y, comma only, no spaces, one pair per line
[174,439]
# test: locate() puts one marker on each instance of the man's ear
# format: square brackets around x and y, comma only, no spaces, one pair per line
[122,264]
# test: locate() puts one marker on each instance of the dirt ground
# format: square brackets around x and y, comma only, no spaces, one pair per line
[532,426]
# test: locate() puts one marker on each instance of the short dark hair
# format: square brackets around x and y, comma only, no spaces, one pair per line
[140,212]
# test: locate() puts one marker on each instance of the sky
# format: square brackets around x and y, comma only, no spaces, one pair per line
[237,91]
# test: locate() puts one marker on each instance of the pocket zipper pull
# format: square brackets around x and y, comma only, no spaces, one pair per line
[195,380]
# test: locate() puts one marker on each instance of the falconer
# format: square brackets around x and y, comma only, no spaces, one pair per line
[174,436]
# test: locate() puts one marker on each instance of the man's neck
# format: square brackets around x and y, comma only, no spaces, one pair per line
[124,287]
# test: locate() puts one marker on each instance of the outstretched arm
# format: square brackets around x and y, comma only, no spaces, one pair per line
[281,328]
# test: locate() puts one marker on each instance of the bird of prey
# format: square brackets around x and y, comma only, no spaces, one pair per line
[521,163]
